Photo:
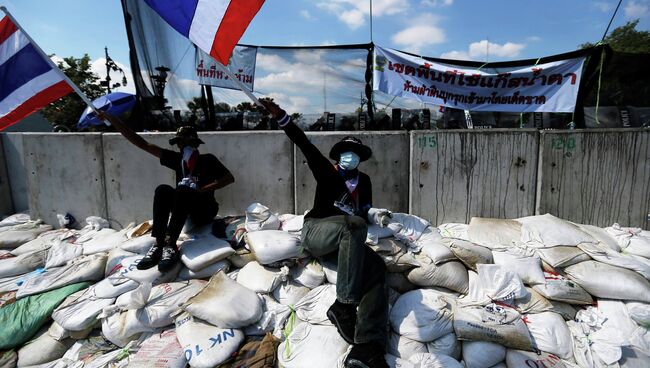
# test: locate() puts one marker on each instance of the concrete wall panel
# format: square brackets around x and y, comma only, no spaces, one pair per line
[65,173]
[15,160]
[456,175]
[387,168]
[596,177]
[6,204]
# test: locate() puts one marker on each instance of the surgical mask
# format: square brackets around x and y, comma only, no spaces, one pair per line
[349,160]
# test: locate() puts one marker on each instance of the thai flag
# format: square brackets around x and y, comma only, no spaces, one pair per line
[28,80]
[215,26]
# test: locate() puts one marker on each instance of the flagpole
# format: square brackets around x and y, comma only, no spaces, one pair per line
[44,55]
[240,84]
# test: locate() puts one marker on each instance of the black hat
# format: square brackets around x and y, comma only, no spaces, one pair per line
[188,134]
[350,144]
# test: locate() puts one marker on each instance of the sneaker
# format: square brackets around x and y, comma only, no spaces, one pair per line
[368,355]
[344,317]
[151,259]
[169,259]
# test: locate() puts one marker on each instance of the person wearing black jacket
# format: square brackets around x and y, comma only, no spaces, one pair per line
[336,227]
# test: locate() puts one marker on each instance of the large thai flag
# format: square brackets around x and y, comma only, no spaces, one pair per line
[28,81]
[215,26]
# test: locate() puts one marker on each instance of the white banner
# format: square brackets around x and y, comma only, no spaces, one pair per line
[242,65]
[549,87]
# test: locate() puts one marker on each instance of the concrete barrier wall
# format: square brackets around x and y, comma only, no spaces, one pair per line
[456,175]
[6,203]
[387,168]
[596,177]
[15,161]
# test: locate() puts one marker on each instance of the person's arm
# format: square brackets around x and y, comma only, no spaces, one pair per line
[131,136]
[219,183]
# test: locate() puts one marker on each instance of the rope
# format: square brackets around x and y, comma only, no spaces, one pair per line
[600,76]
[287,331]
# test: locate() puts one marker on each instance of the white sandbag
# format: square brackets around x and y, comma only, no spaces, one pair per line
[57,332]
[492,323]
[113,286]
[633,358]
[562,256]
[496,283]
[14,236]
[162,302]
[445,345]
[87,268]
[290,293]
[272,320]
[321,346]
[159,350]
[273,245]
[225,303]
[61,253]
[494,233]
[610,282]
[261,279]
[259,217]
[42,349]
[601,235]
[450,275]
[561,289]
[482,354]
[640,313]
[199,253]
[204,273]
[139,245]
[104,241]
[312,308]
[526,359]
[618,318]
[391,360]
[130,270]
[114,262]
[631,240]
[605,255]
[330,269]
[550,333]
[22,264]
[421,315]
[44,241]
[80,310]
[591,343]
[408,229]
[529,268]
[309,274]
[469,253]
[15,219]
[427,360]
[376,232]
[292,223]
[545,231]
[436,247]
[404,347]
[533,303]
[454,230]
[204,345]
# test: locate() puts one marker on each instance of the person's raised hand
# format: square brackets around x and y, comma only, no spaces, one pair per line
[275,110]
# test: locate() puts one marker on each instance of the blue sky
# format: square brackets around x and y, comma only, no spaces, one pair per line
[515,29]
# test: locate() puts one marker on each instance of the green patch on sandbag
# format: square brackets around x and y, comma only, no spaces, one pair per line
[21,320]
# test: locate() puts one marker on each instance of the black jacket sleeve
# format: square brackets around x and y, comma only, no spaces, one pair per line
[365,196]
[318,164]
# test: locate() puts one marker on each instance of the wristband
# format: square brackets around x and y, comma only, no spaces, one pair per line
[284,120]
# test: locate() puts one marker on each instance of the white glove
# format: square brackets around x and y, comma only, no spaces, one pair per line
[379,216]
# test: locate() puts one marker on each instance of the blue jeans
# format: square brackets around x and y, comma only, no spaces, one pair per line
[361,275]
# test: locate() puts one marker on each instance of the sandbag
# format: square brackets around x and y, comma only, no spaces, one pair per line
[494,233]
[445,345]
[113,286]
[241,257]
[408,229]
[427,360]
[159,350]
[603,254]
[259,217]
[640,313]
[376,233]
[560,289]
[80,310]
[545,231]
[140,244]
[17,235]
[8,359]
[206,346]
[436,248]
[309,274]
[529,268]
[321,346]
[631,240]
[22,264]
[399,282]
[114,262]
[292,223]
[88,268]
[225,303]
[15,219]
[129,270]
[482,354]
[42,349]
[261,279]
[330,269]
[104,241]
[290,293]
[273,245]
[527,359]
[610,282]
[404,347]
[43,242]
[257,352]
[199,253]
[312,308]
[450,275]
[492,323]
[272,320]
[204,273]
[454,230]
[61,253]
[421,315]
[22,319]
[495,283]
[469,253]
[591,343]
[550,333]
[563,256]
[601,235]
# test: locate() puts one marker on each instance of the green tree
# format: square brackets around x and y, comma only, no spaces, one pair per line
[67,110]
[627,39]
[249,106]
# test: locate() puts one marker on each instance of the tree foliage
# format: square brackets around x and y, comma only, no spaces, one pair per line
[627,39]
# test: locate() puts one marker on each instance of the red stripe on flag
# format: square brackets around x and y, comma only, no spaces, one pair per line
[35,103]
[237,17]
[7,28]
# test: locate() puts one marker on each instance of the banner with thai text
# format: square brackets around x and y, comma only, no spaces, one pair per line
[242,65]
[548,87]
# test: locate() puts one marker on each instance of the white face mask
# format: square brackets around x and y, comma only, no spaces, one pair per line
[349,160]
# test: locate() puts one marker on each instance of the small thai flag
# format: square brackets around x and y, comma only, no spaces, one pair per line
[29,80]
[215,26]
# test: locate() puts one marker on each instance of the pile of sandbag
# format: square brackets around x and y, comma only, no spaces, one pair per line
[530,292]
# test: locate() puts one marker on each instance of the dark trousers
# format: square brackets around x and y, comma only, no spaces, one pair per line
[180,203]
[361,275]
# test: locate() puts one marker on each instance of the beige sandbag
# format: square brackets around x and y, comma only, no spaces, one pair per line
[42,349]
[450,275]
[562,256]
[421,315]
[469,253]
[525,359]
[610,282]
[492,323]
[558,288]
[494,233]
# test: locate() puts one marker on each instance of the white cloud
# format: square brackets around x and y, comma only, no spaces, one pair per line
[305,14]
[533,39]
[353,18]
[98,67]
[637,9]
[456,55]
[484,50]
[603,6]
[422,32]
[435,3]
[354,12]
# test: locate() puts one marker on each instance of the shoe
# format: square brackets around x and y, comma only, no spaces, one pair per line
[344,317]
[169,258]
[368,355]
[151,259]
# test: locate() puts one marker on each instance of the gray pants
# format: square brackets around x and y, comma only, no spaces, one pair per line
[361,277]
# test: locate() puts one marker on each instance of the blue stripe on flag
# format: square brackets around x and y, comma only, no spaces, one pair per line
[21,68]
[178,13]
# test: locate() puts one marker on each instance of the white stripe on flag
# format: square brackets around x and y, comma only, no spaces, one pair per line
[207,17]
[28,90]
[12,45]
